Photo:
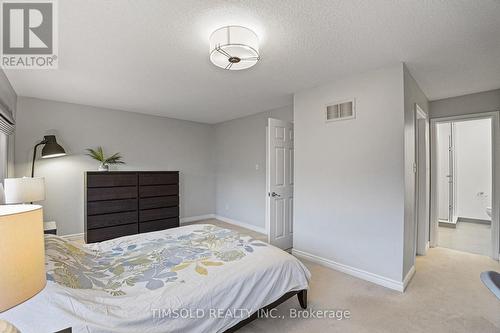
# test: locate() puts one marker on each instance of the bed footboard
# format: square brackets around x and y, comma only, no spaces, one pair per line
[301,295]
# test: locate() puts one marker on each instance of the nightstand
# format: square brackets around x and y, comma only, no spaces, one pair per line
[50,228]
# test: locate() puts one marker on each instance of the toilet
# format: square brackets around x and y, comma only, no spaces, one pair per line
[488,211]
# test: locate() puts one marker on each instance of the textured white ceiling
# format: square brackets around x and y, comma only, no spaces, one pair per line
[151,56]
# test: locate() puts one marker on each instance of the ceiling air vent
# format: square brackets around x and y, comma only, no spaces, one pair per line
[341,111]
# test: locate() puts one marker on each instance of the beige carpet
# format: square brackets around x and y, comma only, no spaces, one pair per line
[445,295]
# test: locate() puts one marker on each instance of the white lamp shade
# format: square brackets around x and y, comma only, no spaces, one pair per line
[22,254]
[234,48]
[24,190]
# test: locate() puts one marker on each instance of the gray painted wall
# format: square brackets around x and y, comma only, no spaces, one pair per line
[9,97]
[240,164]
[412,95]
[146,142]
[349,175]
[472,103]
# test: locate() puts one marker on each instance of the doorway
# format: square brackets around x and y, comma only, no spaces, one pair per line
[464,196]
[279,183]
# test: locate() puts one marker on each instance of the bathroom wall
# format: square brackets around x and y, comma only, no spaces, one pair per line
[473,168]
[472,165]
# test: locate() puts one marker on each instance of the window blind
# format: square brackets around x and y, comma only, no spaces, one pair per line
[7,124]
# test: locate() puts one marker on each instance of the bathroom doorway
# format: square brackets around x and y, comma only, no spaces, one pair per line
[465,184]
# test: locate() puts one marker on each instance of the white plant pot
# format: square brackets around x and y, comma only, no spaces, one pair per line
[103,167]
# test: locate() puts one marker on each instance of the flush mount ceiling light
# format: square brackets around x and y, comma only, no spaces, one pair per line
[234,48]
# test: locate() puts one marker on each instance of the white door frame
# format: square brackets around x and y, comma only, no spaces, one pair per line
[268,183]
[422,181]
[495,200]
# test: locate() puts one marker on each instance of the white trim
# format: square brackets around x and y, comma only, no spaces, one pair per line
[422,181]
[252,227]
[408,277]
[421,114]
[196,218]
[268,182]
[371,277]
[74,237]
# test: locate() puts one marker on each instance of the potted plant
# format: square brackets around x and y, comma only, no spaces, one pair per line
[98,155]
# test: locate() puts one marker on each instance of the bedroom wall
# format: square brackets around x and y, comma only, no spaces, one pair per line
[412,95]
[146,142]
[9,97]
[240,164]
[349,177]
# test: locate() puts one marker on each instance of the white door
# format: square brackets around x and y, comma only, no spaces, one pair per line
[280,183]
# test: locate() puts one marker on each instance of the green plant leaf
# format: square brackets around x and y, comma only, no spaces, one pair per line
[98,155]
[114,159]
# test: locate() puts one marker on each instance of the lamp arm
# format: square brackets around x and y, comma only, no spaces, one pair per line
[34,157]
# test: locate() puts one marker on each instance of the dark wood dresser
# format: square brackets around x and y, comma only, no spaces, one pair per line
[120,203]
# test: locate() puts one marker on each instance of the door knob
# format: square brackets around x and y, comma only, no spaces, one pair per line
[274,194]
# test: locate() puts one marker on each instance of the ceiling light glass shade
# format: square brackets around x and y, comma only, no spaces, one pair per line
[234,48]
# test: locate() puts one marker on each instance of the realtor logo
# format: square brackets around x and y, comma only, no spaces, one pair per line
[29,38]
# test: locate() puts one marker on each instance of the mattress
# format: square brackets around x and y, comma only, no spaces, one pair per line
[197,278]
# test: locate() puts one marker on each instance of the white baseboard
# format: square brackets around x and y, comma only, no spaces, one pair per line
[74,237]
[242,224]
[196,218]
[371,277]
[408,277]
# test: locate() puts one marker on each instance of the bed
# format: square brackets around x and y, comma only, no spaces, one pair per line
[197,278]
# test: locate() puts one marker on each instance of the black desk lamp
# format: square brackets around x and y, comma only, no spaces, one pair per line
[51,149]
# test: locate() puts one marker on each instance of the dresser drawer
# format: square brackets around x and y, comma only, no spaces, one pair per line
[157,214]
[111,193]
[159,225]
[111,206]
[158,202]
[109,220]
[158,190]
[102,234]
[108,180]
[158,178]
